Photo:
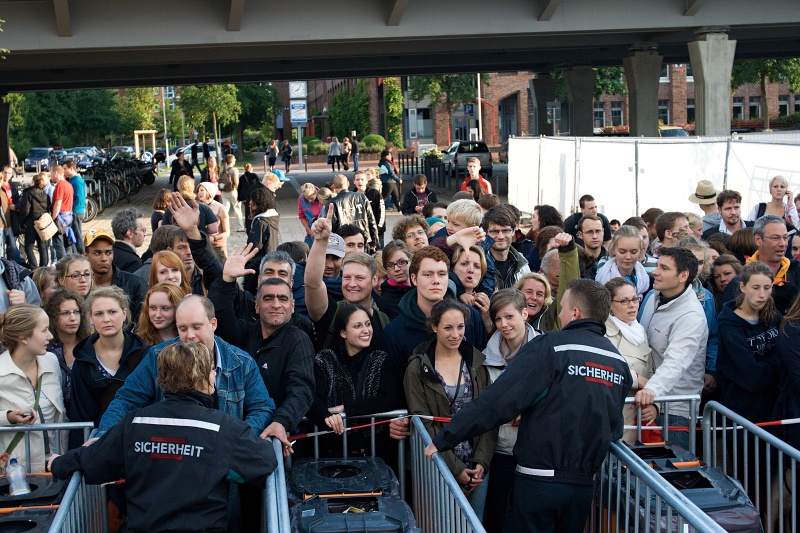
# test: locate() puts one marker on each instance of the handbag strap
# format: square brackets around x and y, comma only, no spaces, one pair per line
[18,437]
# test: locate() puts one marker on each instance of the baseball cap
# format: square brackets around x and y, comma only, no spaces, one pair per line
[92,235]
[281,175]
[335,246]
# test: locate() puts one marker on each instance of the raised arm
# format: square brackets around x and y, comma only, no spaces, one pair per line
[316,294]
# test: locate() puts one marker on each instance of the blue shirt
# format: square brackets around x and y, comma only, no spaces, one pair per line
[79,191]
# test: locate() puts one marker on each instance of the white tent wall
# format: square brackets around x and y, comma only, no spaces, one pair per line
[548,170]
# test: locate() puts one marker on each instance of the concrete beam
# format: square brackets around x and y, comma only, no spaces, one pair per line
[580,87]
[63,26]
[235,15]
[693,7]
[543,90]
[396,10]
[642,71]
[712,61]
[550,7]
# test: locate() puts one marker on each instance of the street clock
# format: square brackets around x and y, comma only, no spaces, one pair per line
[298,89]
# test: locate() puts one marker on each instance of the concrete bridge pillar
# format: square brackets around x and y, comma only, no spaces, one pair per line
[642,71]
[543,89]
[712,61]
[580,88]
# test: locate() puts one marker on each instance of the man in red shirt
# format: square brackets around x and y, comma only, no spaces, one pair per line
[62,213]
[473,173]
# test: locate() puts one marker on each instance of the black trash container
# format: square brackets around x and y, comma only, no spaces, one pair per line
[44,491]
[27,520]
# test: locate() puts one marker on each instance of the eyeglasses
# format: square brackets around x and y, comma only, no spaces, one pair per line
[76,276]
[778,238]
[418,233]
[628,301]
[496,232]
[67,314]
[593,232]
[402,263]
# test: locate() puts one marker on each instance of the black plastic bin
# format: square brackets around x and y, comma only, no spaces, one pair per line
[385,514]
[44,491]
[649,452]
[337,476]
[27,520]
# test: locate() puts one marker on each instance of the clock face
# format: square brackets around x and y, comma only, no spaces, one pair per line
[297,89]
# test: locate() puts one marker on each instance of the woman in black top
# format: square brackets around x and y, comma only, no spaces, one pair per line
[351,378]
[33,203]
[180,167]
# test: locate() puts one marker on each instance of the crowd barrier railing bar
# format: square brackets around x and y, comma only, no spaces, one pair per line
[764,464]
[276,500]
[665,401]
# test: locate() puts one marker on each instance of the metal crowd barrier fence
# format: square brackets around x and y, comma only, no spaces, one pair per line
[439,503]
[631,497]
[764,464]
[276,499]
[665,401]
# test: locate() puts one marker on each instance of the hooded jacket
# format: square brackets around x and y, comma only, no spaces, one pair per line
[678,334]
[518,268]
[569,387]
[426,396]
[496,364]
[89,382]
[409,330]
[748,364]
[409,203]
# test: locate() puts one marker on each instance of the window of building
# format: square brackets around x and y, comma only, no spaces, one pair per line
[689,73]
[170,92]
[664,77]
[599,115]
[737,112]
[172,105]
[419,123]
[797,103]
[663,111]
[755,106]
[783,105]
[616,114]
[690,110]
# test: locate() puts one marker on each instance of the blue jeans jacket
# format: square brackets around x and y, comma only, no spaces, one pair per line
[240,389]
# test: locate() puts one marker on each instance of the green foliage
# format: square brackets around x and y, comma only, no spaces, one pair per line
[136,108]
[607,80]
[373,143]
[309,139]
[259,104]
[764,71]
[448,90]
[319,148]
[3,51]
[394,111]
[349,111]
[217,103]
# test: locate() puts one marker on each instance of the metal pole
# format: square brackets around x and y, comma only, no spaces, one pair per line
[478,103]
[727,155]
[164,113]
[636,173]
[300,145]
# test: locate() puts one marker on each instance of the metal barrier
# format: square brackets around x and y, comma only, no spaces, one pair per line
[408,163]
[439,503]
[764,464]
[665,401]
[630,496]
[276,500]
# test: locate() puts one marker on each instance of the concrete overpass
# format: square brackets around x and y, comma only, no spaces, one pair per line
[71,44]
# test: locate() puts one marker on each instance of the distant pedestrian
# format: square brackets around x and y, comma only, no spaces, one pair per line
[286,154]
[195,161]
[335,155]
[206,150]
[346,149]
[354,153]
[272,154]
[181,167]
[63,198]
[389,178]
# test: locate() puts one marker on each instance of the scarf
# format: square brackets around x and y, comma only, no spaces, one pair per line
[393,283]
[780,277]
[633,333]
[610,270]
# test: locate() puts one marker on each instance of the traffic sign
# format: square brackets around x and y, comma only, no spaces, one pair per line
[469,109]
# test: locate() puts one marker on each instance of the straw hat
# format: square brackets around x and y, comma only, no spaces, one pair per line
[704,194]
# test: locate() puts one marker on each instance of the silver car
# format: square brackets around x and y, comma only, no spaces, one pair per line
[460,152]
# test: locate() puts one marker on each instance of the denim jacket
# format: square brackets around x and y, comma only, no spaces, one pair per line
[240,390]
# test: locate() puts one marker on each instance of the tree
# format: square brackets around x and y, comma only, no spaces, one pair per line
[349,110]
[96,115]
[449,90]
[260,104]
[764,71]
[607,80]
[137,107]
[215,102]
[394,111]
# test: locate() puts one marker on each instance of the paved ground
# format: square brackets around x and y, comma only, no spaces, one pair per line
[291,230]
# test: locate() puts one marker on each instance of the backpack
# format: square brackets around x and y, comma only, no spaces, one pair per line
[225,181]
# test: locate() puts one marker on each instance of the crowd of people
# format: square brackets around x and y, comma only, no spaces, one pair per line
[582,311]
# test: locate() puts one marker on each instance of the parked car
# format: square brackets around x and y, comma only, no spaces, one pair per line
[456,157]
[60,155]
[45,157]
[672,131]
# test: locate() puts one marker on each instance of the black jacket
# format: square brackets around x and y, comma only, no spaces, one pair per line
[569,386]
[134,287]
[33,203]
[354,208]
[783,294]
[389,300]
[264,235]
[126,258]
[713,231]
[178,458]
[179,170]
[285,358]
[410,202]
[89,383]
